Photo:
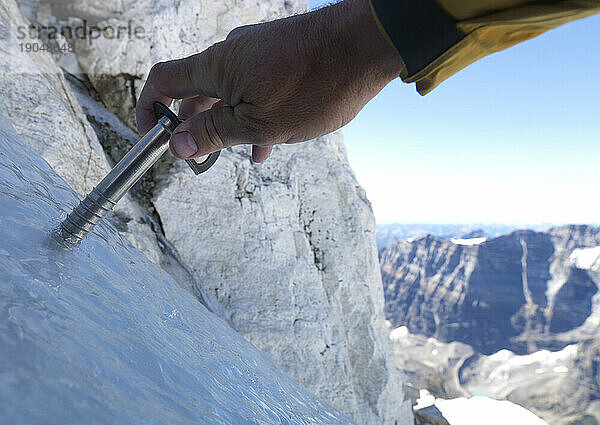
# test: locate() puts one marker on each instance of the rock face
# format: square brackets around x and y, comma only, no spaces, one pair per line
[585,383]
[524,291]
[431,364]
[98,334]
[298,231]
[287,247]
[37,100]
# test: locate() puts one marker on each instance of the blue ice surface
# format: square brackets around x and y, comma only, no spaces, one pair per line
[97,334]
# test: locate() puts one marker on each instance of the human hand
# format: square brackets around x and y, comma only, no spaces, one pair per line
[284,81]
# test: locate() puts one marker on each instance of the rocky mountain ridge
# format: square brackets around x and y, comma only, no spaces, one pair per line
[392,232]
[515,317]
[523,291]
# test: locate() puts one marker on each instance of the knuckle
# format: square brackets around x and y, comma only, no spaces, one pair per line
[188,71]
[208,62]
[238,31]
[157,73]
[155,70]
[215,54]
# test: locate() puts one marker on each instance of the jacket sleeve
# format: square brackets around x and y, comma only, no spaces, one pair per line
[436,39]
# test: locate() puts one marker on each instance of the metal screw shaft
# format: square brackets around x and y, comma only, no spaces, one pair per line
[115,185]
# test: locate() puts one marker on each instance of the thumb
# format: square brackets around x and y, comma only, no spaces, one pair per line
[207,132]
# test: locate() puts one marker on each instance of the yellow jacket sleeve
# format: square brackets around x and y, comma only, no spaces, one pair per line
[436,39]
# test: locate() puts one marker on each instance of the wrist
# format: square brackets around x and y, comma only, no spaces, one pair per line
[372,45]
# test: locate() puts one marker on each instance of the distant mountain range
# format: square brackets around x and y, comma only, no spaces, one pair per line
[524,291]
[388,233]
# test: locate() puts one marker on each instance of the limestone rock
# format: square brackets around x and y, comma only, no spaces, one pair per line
[288,247]
[37,100]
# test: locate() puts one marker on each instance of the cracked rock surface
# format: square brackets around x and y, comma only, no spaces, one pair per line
[38,102]
[288,248]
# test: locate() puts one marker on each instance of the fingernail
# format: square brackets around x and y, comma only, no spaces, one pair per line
[184,145]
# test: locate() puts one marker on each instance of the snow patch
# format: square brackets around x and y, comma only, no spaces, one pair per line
[586,258]
[469,241]
[399,333]
[542,357]
[561,369]
[483,410]
[425,399]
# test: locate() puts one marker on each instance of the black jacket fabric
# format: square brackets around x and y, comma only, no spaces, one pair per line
[436,39]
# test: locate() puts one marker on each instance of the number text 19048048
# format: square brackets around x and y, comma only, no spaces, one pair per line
[52,47]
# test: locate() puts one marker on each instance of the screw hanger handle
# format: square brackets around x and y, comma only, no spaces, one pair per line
[160,111]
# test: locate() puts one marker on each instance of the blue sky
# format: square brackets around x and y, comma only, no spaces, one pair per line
[514,138]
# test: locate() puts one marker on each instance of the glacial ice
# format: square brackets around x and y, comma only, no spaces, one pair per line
[97,334]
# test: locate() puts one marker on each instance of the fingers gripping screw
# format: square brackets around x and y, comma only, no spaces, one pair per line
[160,111]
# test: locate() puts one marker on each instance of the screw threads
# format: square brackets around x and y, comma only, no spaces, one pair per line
[85,216]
